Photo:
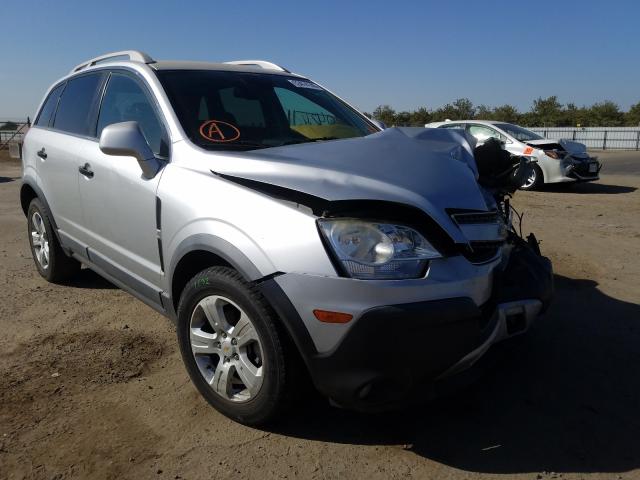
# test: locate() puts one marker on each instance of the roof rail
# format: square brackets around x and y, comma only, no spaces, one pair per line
[259,63]
[134,56]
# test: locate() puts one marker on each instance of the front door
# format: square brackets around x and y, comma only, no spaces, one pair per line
[118,202]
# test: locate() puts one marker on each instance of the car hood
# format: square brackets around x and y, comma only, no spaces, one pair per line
[568,145]
[432,169]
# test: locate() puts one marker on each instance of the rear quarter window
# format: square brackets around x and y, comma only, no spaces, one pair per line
[78,105]
[49,107]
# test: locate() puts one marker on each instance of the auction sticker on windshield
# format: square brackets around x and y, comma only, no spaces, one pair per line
[303,84]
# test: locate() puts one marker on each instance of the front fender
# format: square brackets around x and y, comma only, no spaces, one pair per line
[218,246]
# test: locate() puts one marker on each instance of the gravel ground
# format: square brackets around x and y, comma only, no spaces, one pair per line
[92,386]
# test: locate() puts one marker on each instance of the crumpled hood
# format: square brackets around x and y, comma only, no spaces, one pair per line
[573,147]
[432,169]
[568,145]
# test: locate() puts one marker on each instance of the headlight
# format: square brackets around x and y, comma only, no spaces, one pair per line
[370,250]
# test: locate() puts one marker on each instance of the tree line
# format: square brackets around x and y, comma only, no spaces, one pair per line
[545,112]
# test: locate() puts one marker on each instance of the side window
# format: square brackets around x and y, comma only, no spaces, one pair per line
[49,107]
[457,126]
[483,133]
[124,101]
[78,104]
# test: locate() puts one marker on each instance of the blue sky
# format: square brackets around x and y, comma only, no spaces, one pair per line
[406,54]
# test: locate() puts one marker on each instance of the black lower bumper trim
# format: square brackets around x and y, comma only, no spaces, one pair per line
[581,173]
[391,350]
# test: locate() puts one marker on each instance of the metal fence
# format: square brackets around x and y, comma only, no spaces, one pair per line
[603,138]
[10,135]
[13,136]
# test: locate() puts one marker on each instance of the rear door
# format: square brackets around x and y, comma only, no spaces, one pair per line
[70,127]
[118,202]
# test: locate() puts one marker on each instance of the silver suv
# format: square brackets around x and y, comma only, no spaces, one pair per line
[286,234]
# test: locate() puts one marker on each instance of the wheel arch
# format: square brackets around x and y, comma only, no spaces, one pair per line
[201,251]
[30,190]
[27,193]
[542,169]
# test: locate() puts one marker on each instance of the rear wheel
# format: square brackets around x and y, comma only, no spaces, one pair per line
[233,349]
[534,179]
[52,263]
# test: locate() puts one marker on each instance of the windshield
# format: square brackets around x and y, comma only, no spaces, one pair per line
[222,110]
[518,133]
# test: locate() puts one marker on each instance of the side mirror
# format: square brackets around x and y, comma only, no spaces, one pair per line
[126,139]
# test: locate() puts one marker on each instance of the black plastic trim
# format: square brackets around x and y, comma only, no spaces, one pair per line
[136,284]
[160,255]
[434,336]
[158,213]
[156,304]
[43,199]
[290,319]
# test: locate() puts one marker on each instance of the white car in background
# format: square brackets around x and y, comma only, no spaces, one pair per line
[557,161]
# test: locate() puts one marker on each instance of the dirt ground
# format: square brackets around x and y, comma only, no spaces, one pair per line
[92,386]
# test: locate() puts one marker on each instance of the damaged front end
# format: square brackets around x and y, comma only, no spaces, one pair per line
[523,281]
[479,281]
[524,272]
[575,161]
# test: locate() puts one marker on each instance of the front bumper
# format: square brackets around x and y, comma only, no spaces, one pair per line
[584,171]
[391,350]
[570,169]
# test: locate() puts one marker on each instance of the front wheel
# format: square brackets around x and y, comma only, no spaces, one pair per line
[534,178]
[233,349]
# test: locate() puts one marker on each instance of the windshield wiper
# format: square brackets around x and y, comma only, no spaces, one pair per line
[250,145]
[306,140]
[321,139]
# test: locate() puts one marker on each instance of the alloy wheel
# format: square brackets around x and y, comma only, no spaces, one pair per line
[531,178]
[39,240]
[226,348]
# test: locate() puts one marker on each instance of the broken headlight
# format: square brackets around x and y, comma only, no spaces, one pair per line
[376,251]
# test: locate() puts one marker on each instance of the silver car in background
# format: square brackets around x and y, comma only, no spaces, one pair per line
[556,161]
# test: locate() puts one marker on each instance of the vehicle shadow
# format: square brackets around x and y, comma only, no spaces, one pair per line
[89,279]
[6,179]
[590,188]
[563,398]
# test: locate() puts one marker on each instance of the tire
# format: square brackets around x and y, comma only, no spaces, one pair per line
[534,180]
[251,382]
[52,262]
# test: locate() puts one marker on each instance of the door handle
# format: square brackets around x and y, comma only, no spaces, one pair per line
[41,153]
[86,170]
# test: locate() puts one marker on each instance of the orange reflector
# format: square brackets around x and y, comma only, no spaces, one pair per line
[332,317]
[528,151]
